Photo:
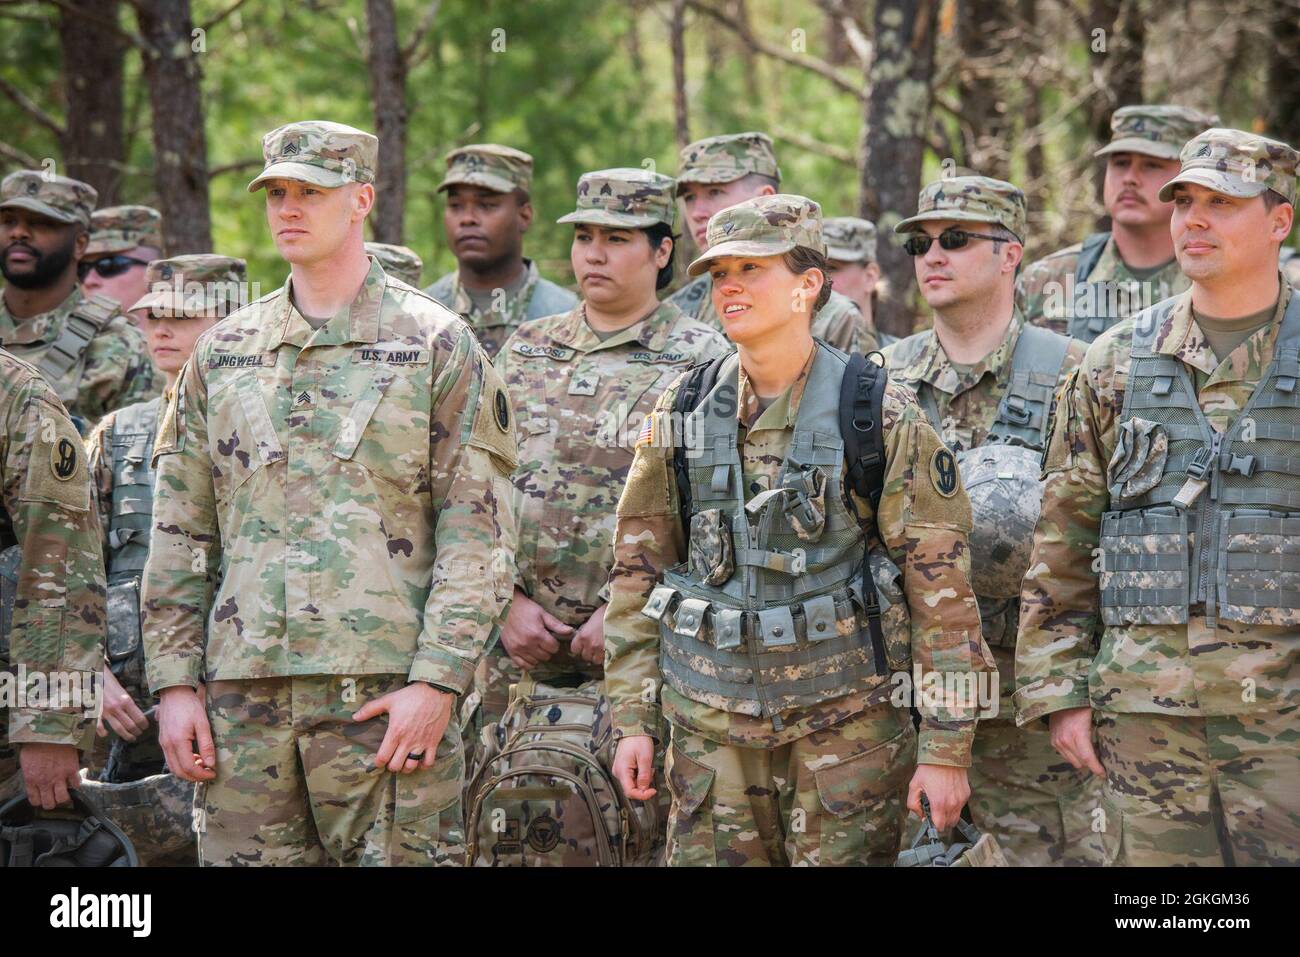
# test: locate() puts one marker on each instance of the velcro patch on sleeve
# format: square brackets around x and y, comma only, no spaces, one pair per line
[56,467]
[494,420]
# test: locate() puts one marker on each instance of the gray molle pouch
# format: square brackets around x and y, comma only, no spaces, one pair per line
[805,503]
[712,559]
[1138,463]
[123,620]
[895,616]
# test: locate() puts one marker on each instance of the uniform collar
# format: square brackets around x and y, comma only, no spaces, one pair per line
[360,324]
[1183,339]
[42,327]
[933,366]
[463,304]
[651,332]
[784,410]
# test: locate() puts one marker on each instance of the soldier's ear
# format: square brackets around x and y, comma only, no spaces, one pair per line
[1280,221]
[525,211]
[80,243]
[363,199]
[1012,254]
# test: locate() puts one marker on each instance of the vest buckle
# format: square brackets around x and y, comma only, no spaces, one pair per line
[1240,464]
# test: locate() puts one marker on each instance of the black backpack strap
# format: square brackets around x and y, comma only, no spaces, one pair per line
[1089,253]
[862,401]
[700,380]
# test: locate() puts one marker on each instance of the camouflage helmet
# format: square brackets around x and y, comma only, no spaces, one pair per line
[80,836]
[1006,495]
[154,812]
[400,261]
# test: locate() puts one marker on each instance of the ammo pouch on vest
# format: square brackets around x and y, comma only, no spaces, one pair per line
[1201,519]
[81,837]
[125,654]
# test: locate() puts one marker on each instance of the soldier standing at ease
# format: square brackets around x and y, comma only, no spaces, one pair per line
[785,746]
[721,171]
[1170,508]
[1084,289]
[51,590]
[335,463]
[83,346]
[985,380]
[487,213]
[580,380]
[124,240]
[400,261]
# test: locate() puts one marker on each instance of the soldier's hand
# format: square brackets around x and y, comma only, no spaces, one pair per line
[417,717]
[947,788]
[183,723]
[528,634]
[48,771]
[120,711]
[589,643]
[1072,738]
[634,766]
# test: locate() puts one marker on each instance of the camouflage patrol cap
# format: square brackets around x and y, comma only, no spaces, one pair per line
[318,152]
[117,229]
[62,199]
[494,167]
[195,286]
[849,239]
[762,226]
[1154,129]
[1236,163]
[971,199]
[726,158]
[623,197]
[399,261]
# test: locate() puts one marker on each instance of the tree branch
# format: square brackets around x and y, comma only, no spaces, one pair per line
[233,167]
[25,160]
[134,39]
[837,153]
[222,15]
[25,103]
[421,28]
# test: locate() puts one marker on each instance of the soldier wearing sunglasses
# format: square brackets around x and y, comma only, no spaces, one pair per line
[123,241]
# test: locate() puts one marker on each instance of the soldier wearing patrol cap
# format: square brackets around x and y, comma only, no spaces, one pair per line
[985,380]
[1084,289]
[400,261]
[83,345]
[582,382]
[488,212]
[123,241]
[747,616]
[1170,512]
[851,255]
[719,172]
[330,544]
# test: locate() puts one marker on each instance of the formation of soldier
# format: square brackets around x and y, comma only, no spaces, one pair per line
[313,544]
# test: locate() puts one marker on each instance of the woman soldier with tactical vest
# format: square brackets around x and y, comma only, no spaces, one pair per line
[786,747]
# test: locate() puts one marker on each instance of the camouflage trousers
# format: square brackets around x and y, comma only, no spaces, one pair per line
[1210,791]
[1040,809]
[834,797]
[296,782]
[496,673]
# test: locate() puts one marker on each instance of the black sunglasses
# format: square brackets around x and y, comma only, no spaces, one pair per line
[919,245]
[109,266]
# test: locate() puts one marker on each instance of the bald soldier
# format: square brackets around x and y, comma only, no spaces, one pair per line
[84,346]
[1169,525]
[1084,289]
[985,380]
[582,382]
[123,241]
[51,592]
[331,542]
[488,211]
[400,261]
[721,171]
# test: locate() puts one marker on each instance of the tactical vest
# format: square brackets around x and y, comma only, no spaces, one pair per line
[1092,314]
[132,441]
[1216,527]
[785,629]
[64,362]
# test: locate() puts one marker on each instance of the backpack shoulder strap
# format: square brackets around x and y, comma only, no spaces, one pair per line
[1089,253]
[701,377]
[85,322]
[862,399]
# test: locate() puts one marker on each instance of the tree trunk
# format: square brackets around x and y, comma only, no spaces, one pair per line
[180,146]
[982,31]
[896,118]
[388,96]
[1116,57]
[1282,119]
[1034,165]
[677,40]
[94,141]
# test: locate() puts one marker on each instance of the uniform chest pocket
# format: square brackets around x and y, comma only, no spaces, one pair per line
[241,434]
[387,432]
[604,404]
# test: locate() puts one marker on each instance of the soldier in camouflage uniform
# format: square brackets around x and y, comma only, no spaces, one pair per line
[1169,512]
[851,255]
[51,591]
[83,346]
[334,463]
[400,261]
[1084,289]
[984,378]
[488,211]
[582,382]
[786,748]
[123,241]
[184,296]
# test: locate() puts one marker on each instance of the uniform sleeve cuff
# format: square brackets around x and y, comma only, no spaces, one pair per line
[950,748]
[168,671]
[441,668]
[1042,698]
[41,726]
[634,718]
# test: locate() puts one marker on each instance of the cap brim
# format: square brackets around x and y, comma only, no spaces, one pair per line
[45,209]
[326,178]
[1136,144]
[738,247]
[1226,183]
[953,215]
[846,255]
[603,217]
[498,184]
[707,176]
[107,246]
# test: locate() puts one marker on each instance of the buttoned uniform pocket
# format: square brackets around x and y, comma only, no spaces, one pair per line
[691,841]
[386,431]
[242,437]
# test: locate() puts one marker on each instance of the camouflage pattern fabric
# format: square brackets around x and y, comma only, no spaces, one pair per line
[623,197]
[156,813]
[318,152]
[1203,791]
[762,226]
[296,782]
[579,406]
[58,611]
[849,239]
[923,528]
[501,169]
[199,284]
[400,261]
[971,199]
[1045,288]
[115,371]
[726,158]
[62,199]
[834,797]
[1155,129]
[119,229]
[1236,163]
[536,299]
